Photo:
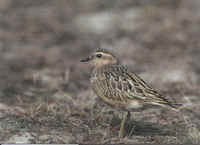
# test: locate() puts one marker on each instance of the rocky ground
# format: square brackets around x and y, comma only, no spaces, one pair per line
[45,96]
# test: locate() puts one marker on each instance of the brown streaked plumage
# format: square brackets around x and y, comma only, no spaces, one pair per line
[121,88]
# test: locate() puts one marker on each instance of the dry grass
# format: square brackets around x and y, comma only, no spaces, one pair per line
[45,93]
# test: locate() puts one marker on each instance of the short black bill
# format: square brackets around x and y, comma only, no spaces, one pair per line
[85,60]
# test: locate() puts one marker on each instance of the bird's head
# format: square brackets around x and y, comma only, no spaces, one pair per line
[100,58]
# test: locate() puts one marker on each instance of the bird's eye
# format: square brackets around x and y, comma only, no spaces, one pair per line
[99,55]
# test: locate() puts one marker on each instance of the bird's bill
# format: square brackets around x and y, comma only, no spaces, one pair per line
[85,59]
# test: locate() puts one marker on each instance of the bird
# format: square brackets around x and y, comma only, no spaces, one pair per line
[121,88]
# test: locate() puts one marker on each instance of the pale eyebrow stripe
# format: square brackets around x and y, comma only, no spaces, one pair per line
[99,53]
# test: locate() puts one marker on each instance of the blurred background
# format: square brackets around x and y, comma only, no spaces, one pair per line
[45,95]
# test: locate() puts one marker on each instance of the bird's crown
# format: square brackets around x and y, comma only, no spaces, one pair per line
[101,57]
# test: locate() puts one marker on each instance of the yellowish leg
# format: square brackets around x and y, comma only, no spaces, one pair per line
[126,116]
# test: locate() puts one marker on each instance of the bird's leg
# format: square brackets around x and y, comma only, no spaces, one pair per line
[126,116]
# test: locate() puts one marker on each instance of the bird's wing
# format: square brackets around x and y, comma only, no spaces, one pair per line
[147,93]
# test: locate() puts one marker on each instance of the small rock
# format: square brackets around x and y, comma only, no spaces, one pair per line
[4,107]
[21,138]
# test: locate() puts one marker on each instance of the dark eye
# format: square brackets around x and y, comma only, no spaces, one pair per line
[99,55]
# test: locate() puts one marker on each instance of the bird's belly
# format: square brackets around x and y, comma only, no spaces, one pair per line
[134,105]
[119,105]
[131,105]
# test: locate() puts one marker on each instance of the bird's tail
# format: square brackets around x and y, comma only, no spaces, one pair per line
[167,104]
[157,99]
[175,106]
